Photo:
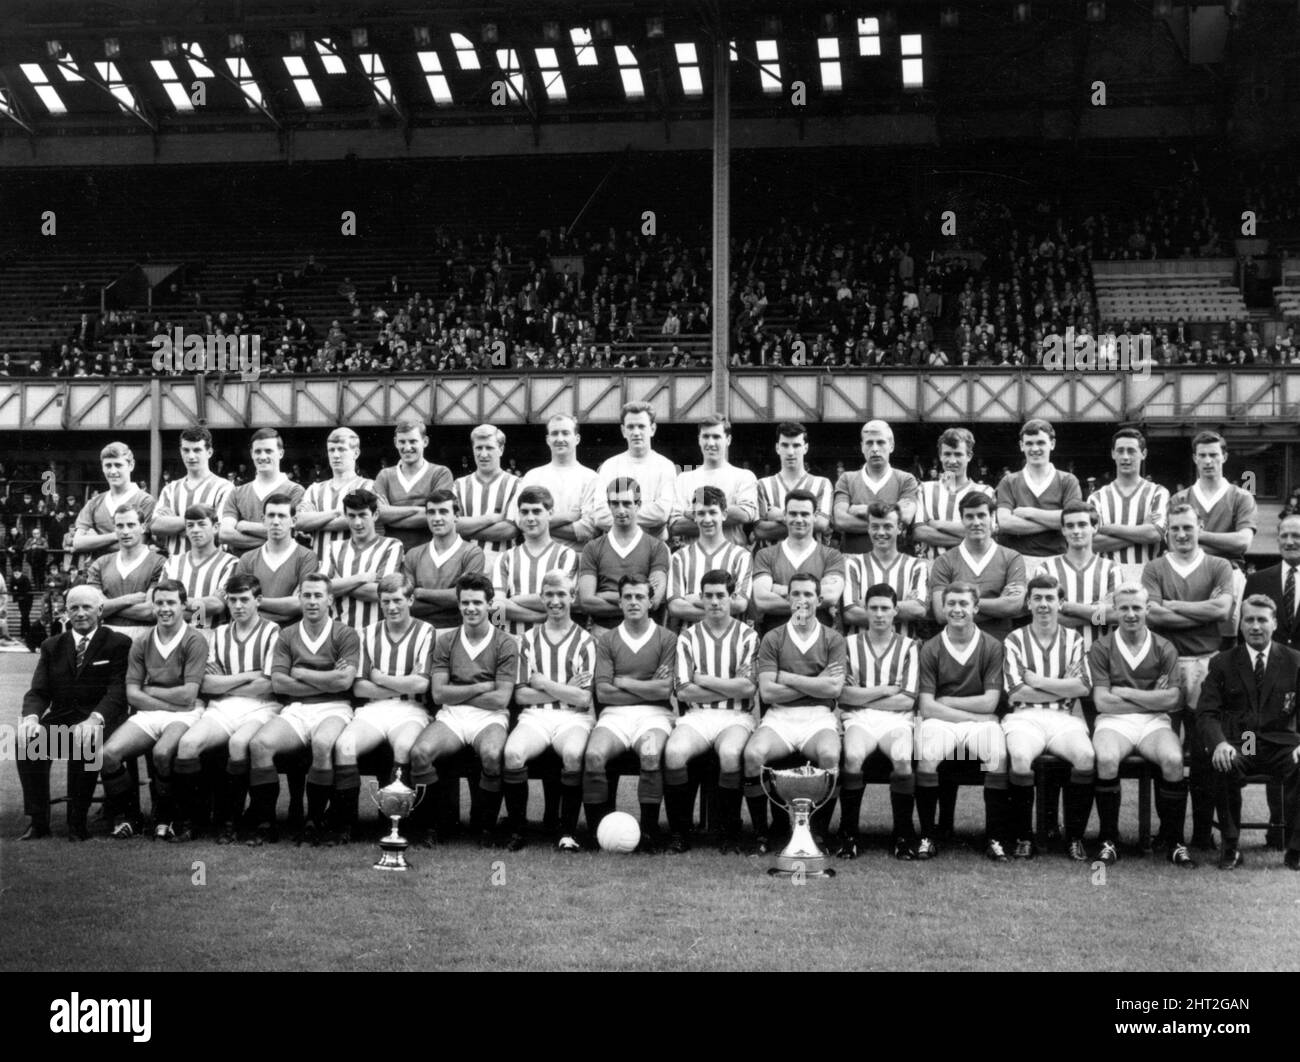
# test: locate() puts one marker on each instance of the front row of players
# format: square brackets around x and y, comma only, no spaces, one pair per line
[837,703]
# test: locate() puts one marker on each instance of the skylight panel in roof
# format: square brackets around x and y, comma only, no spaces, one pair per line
[239,70]
[329,57]
[583,49]
[466,56]
[769,66]
[828,51]
[688,62]
[633,86]
[439,88]
[112,77]
[548,62]
[199,69]
[868,36]
[166,71]
[302,81]
[373,66]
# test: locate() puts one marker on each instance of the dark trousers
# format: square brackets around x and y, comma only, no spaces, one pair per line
[34,774]
[1275,760]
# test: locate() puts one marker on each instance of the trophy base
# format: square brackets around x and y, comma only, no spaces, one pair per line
[810,865]
[394,857]
[779,872]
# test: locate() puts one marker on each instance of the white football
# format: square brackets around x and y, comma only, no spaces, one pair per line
[618,832]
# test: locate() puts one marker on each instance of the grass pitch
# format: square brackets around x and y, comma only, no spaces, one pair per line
[137,905]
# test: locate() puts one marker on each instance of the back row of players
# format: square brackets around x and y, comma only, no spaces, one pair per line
[1187,594]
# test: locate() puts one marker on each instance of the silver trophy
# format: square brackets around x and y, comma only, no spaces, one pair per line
[396,800]
[800,791]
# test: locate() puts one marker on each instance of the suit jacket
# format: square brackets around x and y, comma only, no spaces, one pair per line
[62,694]
[1269,583]
[1231,706]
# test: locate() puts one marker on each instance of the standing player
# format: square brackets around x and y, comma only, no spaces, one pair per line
[959,687]
[1030,501]
[1135,688]
[1190,596]
[626,550]
[402,489]
[773,491]
[126,577]
[438,565]
[281,564]
[716,660]
[997,571]
[199,486]
[1044,670]
[392,684]
[1131,509]
[474,670]
[356,564]
[486,494]
[94,534]
[737,485]
[243,524]
[799,551]
[885,564]
[557,662]
[876,480]
[163,675]
[800,675]
[1087,581]
[320,513]
[580,512]
[938,526]
[654,472]
[240,701]
[711,550]
[313,667]
[521,604]
[634,682]
[878,710]
[203,569]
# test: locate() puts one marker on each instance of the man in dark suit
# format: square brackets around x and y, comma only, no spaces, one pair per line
[1274,582]
[1247,719]
[79,684]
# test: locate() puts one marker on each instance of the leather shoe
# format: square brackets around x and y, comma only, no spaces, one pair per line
[1292,859]
[35,832]
[1229,859]
[78,833]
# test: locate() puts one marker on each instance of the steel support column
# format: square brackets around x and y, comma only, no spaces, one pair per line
[721,219]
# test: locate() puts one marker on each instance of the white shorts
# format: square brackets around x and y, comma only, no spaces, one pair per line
[631,722]
[712,723]
[550,723]
[1190,675]
[390,714]
[467,722]
[233,712]
[944,740]
[306,718]
[154,723]
[876,722]
[798,726]
[1047,727]
[1135,727]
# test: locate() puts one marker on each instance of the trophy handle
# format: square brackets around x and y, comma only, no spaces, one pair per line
[834,772]
[762,780]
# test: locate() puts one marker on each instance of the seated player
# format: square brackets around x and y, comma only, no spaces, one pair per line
[1044,669]
[557,662]
[237,687]
[163,675]
[203,569]
[716,659]
[280,565]
[634,682]
[800,675]
[878,710]
[392,684]
[959,686]
[710,550]
[313,667]
[625,550]
[798,552]
[474,670]
[885,564]
[520,572]
[437,566]
[1134,676]
[357,563]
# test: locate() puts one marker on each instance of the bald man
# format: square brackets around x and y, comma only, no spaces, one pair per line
[77,696]
[875,481]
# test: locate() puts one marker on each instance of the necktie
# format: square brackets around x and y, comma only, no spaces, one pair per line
[1259,672]
[1288,595]
[82,643]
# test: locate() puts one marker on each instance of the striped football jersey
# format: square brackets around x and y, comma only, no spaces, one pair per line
[690,563]
[201,579]
[909,577]
[382,556]
[180,494]
[939,502]
[411,654]
[520,572]
[564,659]
[731,654]
[478,499]
[1061,658]
[773,491]
[236,656]
[1089,585]
[1147,504]
[895,665]
[327,497]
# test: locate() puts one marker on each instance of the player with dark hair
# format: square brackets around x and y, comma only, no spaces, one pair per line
[800,675]
[634,682]
[959,688]
[474,670]
[626,550]
[518,582]
[401,489]
[997,571]
[313,667]
[356,564]
[203,568]
[164,672]
[240,701]
[938,526]
[126,577]
[875,481]
[655,474]
[579,512]
[486,494]
[878,711]
[883,563]
[280,565]
[557,664]
[1131,510]
[199,486]
[243,527]
[737,486]
[710,550]
[773,491]
[1087,580]
[1030,501]
[776,565]
[438,565]
[715,683]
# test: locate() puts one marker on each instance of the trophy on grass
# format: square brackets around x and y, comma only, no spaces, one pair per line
[800,791]
[396,800]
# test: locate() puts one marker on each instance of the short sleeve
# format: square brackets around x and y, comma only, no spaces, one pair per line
[769,652]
